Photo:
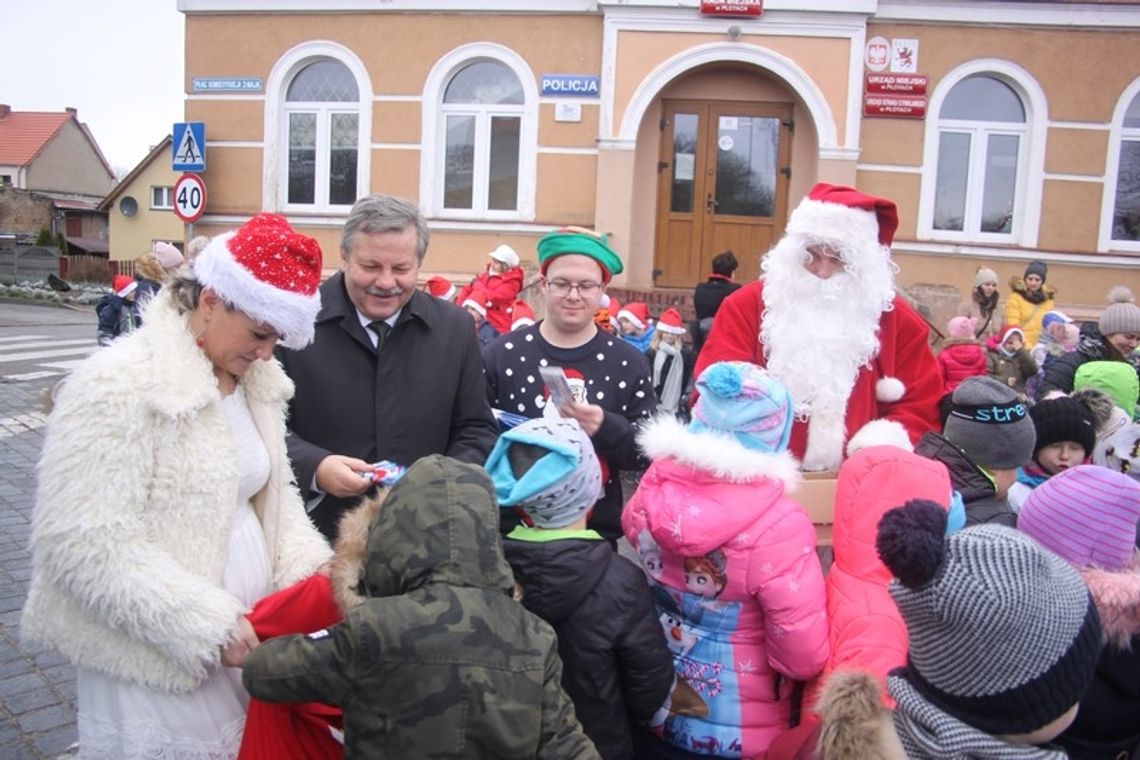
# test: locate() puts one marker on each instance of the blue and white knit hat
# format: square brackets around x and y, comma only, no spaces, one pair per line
[744,401]
[558,488]
[1002,632]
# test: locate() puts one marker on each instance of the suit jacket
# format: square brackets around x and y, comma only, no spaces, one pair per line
[422,394]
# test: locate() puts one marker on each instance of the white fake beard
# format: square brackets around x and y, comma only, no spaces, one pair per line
[817,333]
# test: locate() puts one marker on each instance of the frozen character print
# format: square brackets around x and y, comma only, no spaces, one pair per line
[649,554]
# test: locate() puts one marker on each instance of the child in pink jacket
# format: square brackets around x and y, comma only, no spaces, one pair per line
[733,565]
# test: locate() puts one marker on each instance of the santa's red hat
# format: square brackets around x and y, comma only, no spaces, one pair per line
[670,321]
[845,215]
[441,287]
[269,272]
[637,313]
[521,315]
[123,285]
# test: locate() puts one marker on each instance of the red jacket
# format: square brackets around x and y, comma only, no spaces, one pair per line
[959,359]
[496,293]
[903,354]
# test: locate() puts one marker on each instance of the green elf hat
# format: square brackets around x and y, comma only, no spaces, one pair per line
[582,241]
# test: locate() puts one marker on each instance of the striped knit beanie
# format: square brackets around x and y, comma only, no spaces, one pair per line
[1086,514]
[742,400]
[1002,633]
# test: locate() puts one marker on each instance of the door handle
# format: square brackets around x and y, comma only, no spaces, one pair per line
[711,204]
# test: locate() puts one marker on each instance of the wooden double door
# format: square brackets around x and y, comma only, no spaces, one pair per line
[722,184]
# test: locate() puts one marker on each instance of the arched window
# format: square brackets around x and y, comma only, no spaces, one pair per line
[322,131]
[981,142]
[482,114]
[1126,199]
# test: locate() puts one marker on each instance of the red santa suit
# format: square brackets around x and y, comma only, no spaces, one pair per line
[854,355]
[496,292]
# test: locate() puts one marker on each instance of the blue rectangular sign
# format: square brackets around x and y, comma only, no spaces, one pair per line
[228,84]
[570,85]
[188,141]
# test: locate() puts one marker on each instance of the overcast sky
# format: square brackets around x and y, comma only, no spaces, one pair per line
[119,62]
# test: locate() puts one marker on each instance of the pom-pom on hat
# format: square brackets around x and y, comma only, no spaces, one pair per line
[1123,316]
[744,401]
[984,275]
[563,482]
[522,315]
[1002,633]
[1038,268]
[961,328]
[845,215]
[990,423]
[123,285]
[1086,514]
[506,255]
[670,321]
[582,241]
[1063,419]
[167,256]
[269,272]
[441,287]
[637,313]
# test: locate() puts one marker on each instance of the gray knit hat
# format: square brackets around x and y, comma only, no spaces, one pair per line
[558,477]
[984,275]
[1002,633]
[1122,316]
[990,423]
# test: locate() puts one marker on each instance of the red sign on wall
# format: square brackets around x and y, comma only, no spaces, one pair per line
[733,8]
[896,84]
[899,106]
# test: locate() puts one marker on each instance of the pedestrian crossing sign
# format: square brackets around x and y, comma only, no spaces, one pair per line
[189,144]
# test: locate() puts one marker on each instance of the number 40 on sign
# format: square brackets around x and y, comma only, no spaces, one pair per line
[189,197]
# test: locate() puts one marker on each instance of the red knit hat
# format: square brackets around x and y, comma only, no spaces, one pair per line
[636,312]
[521,315]
[441,287]
[269,272]
[842,213]
[670,321]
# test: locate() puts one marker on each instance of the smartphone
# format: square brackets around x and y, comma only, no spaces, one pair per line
[556,383]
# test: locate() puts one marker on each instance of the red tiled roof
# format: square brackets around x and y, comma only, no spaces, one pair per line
[23,134]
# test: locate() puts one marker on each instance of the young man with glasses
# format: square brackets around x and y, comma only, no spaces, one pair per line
[609,379]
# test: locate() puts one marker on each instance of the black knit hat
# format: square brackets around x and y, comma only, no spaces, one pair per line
[1063,419]
[1002,633]
[1038,268]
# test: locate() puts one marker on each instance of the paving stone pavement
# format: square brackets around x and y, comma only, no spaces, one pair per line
[37,688]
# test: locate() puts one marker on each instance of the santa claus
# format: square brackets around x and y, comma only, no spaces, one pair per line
[826,321]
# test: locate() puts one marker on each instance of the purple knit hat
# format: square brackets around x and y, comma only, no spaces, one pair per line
[1087,515]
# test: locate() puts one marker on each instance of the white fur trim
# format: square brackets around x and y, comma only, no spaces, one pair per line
[722,455]
[289,313]
[889,389]
[471,303]
[880,433]
[851,228]
[824,441]
[521,322]
[662,327]
[625,313]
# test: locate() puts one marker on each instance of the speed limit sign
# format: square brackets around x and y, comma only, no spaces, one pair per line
[189,197]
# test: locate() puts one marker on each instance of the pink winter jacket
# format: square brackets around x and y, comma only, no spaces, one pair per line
[737,583]
[867,631]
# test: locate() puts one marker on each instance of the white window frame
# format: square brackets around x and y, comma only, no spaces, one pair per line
[435,113]
[168,192]
[1030,157]
[1116,136]
[275,163]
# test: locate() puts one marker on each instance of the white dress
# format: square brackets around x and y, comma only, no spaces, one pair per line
[118,719]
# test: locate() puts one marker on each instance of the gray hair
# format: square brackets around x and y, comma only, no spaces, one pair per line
[184,289]
[384,213]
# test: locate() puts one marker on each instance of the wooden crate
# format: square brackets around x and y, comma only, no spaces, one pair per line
[817,495]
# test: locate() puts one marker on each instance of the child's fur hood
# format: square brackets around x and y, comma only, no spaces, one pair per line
[856,724]
[350,551]
[1116,594]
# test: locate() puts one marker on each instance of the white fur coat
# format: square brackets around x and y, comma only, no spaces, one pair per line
[137,488]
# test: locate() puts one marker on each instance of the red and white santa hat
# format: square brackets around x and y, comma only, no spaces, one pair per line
[123,285]
[852,219]
[670,321]
[637,313]
[441,287]
[269,272]
[522,315]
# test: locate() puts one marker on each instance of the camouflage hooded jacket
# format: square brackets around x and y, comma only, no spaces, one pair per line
[434,658]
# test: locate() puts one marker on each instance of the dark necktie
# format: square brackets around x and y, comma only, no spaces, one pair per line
[381,328]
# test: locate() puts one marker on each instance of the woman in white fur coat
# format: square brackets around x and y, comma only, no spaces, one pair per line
[165,506]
